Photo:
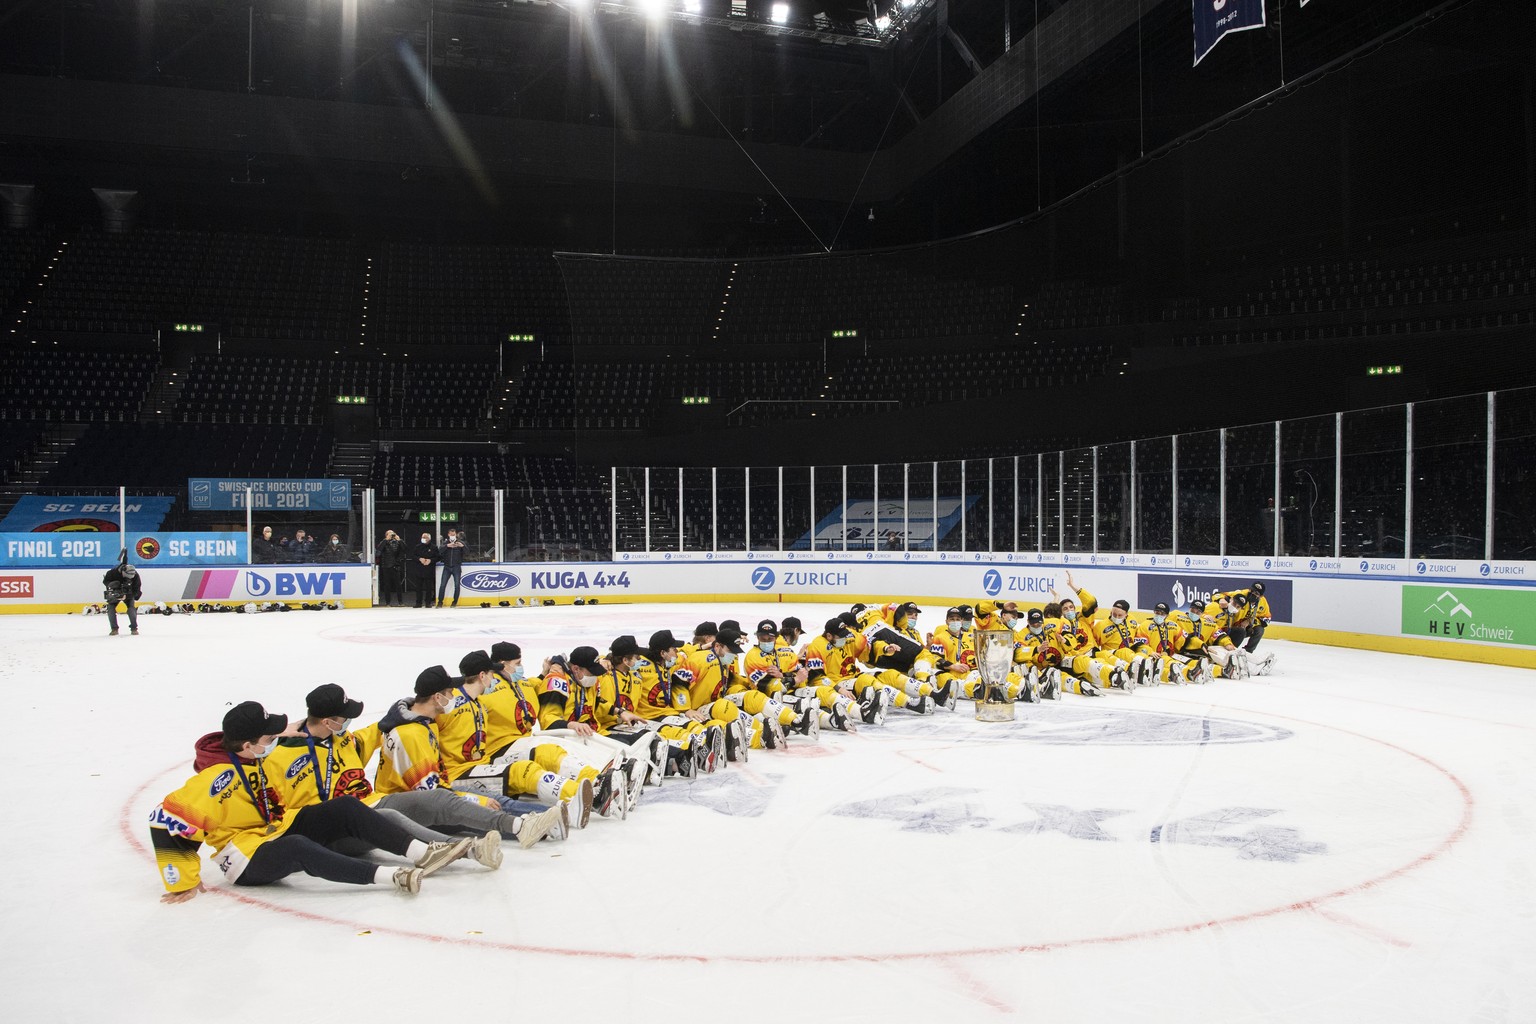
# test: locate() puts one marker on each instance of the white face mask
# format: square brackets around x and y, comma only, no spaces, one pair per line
[766,646]
[587,681]
[264,751]
[1069,614]
[1117,618]
[670,660]
[727,659]
[346,724]
[1159,619]
[957,628]
[426,540]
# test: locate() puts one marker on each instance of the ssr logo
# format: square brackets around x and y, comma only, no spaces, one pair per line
[992,582]
[490,581]
[762,578]
[17,586]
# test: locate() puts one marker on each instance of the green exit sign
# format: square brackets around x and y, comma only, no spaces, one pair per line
[431,517]
[1383,371]
[192,328]
[845,334]
[351,399]
[522,338]
[695,399]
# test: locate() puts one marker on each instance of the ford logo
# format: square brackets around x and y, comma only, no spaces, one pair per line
[490,581]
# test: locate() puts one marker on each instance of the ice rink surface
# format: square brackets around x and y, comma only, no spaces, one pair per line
[1350,839]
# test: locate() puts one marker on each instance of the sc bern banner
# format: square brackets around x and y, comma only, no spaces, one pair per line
[78,513]
[1214,19]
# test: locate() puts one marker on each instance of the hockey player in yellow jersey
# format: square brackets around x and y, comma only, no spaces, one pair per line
[1249,620]
[718,691]
[327,761]
[986,616]
[503,740]
[830,667]
[1070,645]
[1033,643]
[413,754]
[671,736]
[772,667]
[1209,637]
[597,695]
[236,806]
[954,651]
[1119,636]
[1167,640]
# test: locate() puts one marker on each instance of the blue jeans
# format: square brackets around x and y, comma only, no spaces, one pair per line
[453,573]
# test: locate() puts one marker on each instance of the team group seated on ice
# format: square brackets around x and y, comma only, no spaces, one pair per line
[492,754]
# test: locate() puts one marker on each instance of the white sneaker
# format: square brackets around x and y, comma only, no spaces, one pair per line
[408,879]
[548,822]
[487,850]
[440,855]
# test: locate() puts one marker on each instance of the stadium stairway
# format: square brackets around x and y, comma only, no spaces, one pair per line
[50,450]
[353,460]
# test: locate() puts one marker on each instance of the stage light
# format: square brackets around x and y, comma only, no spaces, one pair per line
[882,23]
[653,8]
[779,13]
[693,6]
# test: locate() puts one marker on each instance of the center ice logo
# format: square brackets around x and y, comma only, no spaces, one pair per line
[762,578]
[992,582]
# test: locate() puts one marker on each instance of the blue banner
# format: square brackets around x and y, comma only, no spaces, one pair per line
[36,513]
[1215,19]
[221,494]
[864,518]
[69,549]
[1178,589]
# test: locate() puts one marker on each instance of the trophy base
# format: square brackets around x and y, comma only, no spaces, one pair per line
[1002,712]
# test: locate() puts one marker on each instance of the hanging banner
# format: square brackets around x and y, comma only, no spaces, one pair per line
[1215,19]
[74,513]
[891,519]
[223,494]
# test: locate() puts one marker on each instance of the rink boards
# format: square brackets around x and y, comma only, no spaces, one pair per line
[1475,611]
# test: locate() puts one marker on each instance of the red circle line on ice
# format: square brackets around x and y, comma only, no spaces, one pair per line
[1315,903]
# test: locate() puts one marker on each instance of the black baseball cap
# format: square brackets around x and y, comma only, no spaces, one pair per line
[329,700]
[791,622]
[730,639]
[1258,587]
[250,721]
[1035,616]
[474,663]
[501,650]
[849,619]
[623,646]
[768,626]
[705,629]
[1122,604]
[836,627]
[586,657]
[1160,608]
[731,624]
[663,640]
[434,680]
[953,613]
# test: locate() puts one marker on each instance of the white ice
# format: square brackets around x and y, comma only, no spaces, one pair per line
[1349,839]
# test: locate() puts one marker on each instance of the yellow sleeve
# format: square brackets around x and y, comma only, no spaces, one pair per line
[368,740]
[414,757]
[177,829]
[1087,604]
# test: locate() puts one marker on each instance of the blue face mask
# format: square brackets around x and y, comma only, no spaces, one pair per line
[957,628]
[1159,619]
[1069,613]
[516,674]
[766,646]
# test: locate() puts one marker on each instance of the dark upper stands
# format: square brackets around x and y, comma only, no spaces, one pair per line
[423,294]
[164,455]
[65,386]
[422,393]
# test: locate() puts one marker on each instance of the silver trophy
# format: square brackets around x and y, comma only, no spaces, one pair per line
[994,659]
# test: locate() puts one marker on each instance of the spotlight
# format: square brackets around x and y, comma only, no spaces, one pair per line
[693,6]
[653,8]
[882,23]
[779,13]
